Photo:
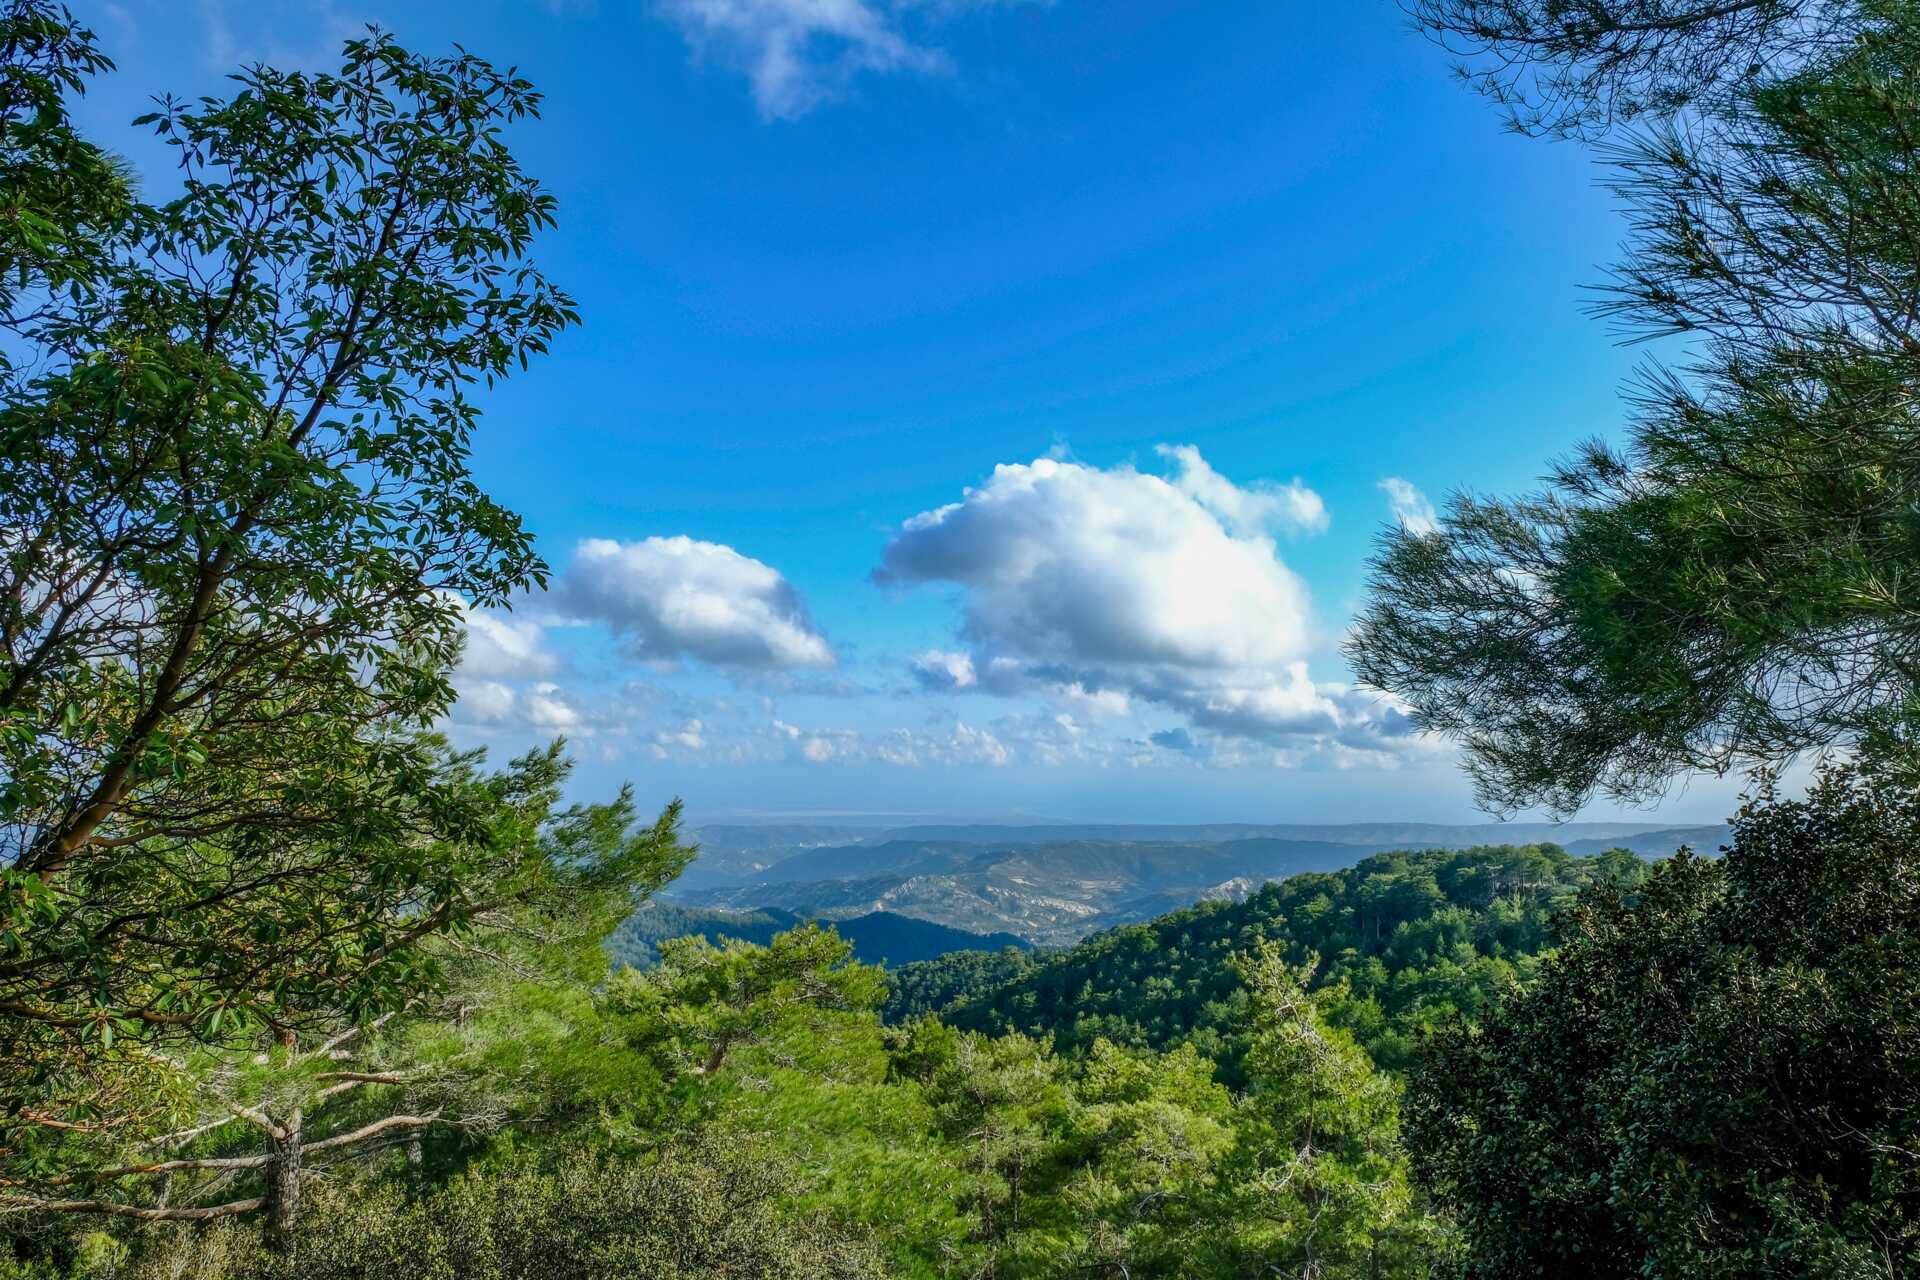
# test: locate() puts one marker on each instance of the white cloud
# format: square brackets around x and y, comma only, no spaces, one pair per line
[502,647]
[691,735]
[542,708]
[940,669]
[547,708]
[1252,509]
[1286,705]
[1105,702]
[969,745]
[1067,563]
[1410,507]
[674,598]
[797,54]
[486,702]
[961,744]
[1115,586]
[737,742]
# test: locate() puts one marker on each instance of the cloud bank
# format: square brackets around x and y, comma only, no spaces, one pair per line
[1124,617]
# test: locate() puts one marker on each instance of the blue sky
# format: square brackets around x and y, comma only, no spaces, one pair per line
[984,408]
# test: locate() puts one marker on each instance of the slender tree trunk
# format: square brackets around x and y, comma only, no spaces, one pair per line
[283,1187]
[416,1173]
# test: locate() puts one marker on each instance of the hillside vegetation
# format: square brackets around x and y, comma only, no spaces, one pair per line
[1048,893]
[1395,945]
[877,938]
[1054,885]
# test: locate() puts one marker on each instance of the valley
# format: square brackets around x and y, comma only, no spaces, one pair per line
[1053,885]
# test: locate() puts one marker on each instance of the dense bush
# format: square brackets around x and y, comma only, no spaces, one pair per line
[685,1215]
[1716,1076]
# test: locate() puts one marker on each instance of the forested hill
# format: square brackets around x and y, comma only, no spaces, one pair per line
[1658,844]
[879,937]
[1404,940]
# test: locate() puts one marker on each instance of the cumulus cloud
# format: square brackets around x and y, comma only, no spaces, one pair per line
[1105,702]
[734,740]
[1251,509]
[1410,507]
[1287,705]
[797,54]
[1067,563]
[961,744]
[502,682]
[542,707]
[486,702]
[1120,584]
[675,598]
[502,647]
[548,707]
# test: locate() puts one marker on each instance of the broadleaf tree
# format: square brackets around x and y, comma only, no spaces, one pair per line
[1716,1075]
[472,1052]
[238,534]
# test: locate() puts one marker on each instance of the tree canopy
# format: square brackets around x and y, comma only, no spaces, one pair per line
[1396,944]
[1734,585]
[1715,1076]
[1582,69]
[240,1122]
[237,532]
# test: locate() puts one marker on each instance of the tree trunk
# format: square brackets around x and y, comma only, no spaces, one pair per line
[416,1171]
[283,1187]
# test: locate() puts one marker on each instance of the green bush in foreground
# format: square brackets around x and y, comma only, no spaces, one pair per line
[686,1215]
[1716,1077]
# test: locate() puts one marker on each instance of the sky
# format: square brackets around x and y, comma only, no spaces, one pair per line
[986,408]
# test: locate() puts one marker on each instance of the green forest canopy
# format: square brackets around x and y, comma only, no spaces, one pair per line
[878,937]
[1401,943]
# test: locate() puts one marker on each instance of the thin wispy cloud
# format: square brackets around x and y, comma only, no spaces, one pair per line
[288,34]
[797,54]
[1410,507]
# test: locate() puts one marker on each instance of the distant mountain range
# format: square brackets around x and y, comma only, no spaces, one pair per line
[1053,884]
[1657,844]
[1392,835]
[730,853]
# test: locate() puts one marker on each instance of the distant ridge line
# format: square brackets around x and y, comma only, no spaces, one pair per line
[1435,834]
